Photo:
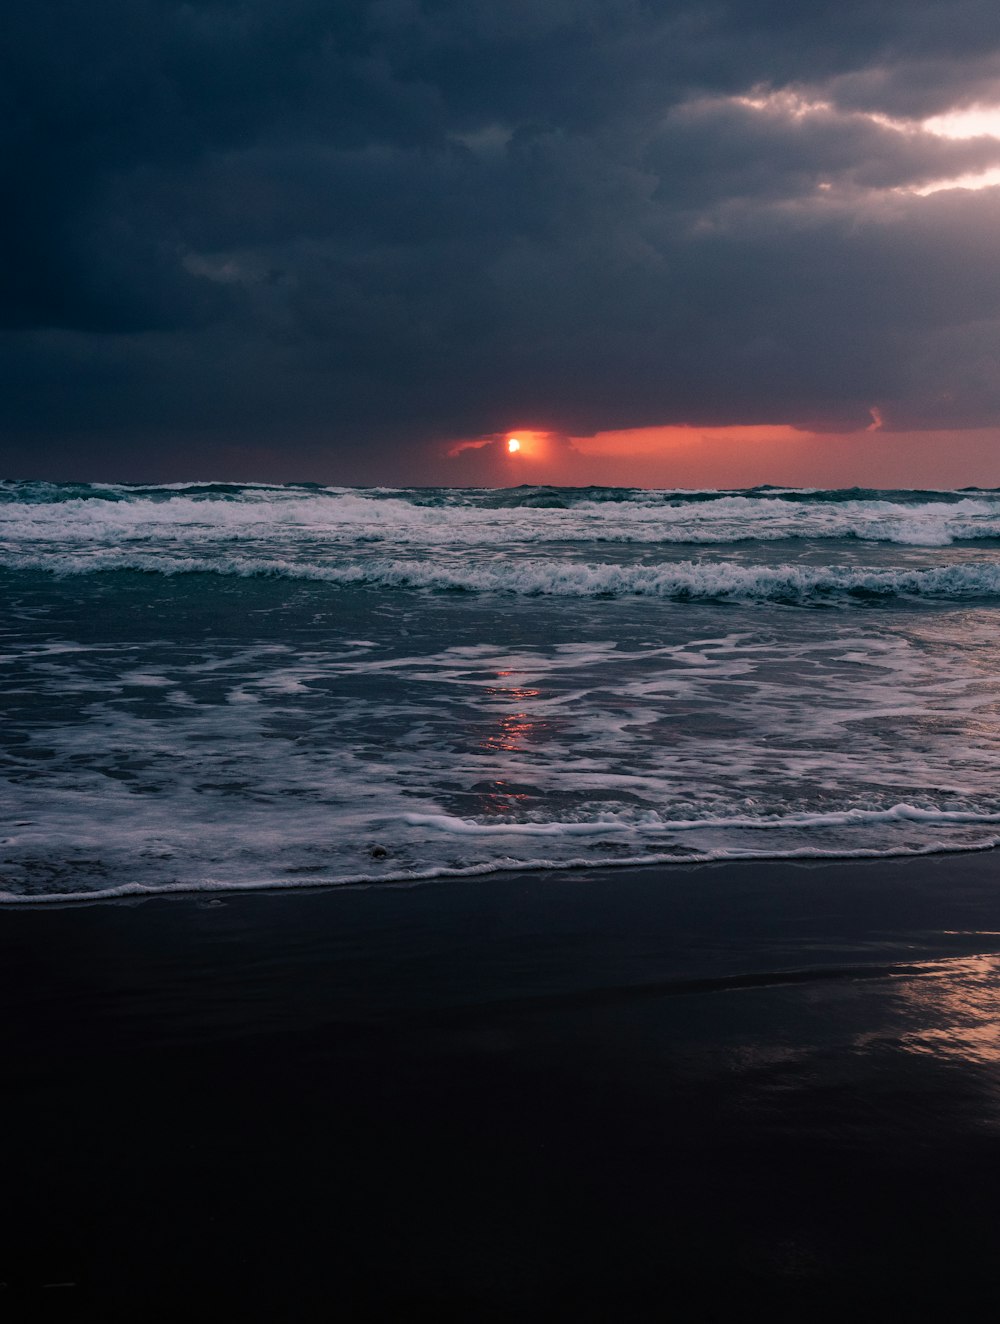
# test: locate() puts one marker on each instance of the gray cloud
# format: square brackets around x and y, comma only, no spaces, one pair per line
[330,235]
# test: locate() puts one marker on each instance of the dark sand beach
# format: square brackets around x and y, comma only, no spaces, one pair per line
[642,1094]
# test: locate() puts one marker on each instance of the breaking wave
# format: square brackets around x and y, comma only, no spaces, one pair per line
[718,581]
[79,513]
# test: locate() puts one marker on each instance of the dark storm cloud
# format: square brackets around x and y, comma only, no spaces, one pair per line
[340,230]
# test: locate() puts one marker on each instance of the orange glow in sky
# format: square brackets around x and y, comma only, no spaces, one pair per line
[782,454]
[680,455]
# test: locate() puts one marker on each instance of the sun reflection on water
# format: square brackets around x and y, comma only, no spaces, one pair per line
[513,729]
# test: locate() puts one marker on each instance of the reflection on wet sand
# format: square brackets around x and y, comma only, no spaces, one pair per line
[957,1007]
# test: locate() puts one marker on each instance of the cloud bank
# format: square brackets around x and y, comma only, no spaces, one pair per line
[303,239]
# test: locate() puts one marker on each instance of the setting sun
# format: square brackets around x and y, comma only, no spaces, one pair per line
[513,445]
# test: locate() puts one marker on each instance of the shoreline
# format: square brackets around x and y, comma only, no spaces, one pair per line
[131,892]
[767,1082]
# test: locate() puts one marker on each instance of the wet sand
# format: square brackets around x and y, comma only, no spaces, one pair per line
[535,1096]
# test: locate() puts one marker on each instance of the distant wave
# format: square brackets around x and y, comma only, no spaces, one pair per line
[94,515]
[679,581]
[42,492]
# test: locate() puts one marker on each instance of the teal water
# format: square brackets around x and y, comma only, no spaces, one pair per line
[216,686]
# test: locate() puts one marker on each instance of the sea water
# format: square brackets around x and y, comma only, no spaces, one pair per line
[217,686]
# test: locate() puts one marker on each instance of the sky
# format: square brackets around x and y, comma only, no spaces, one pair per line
[676,243]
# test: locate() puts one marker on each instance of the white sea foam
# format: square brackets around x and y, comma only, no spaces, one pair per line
[264,765]
[416,877]
[540,577]
[344,517]
[652,823]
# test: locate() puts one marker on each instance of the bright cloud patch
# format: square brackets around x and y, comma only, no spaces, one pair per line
[800,112]
[974,122]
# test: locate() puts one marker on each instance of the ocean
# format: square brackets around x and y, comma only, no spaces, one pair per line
[216,686]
